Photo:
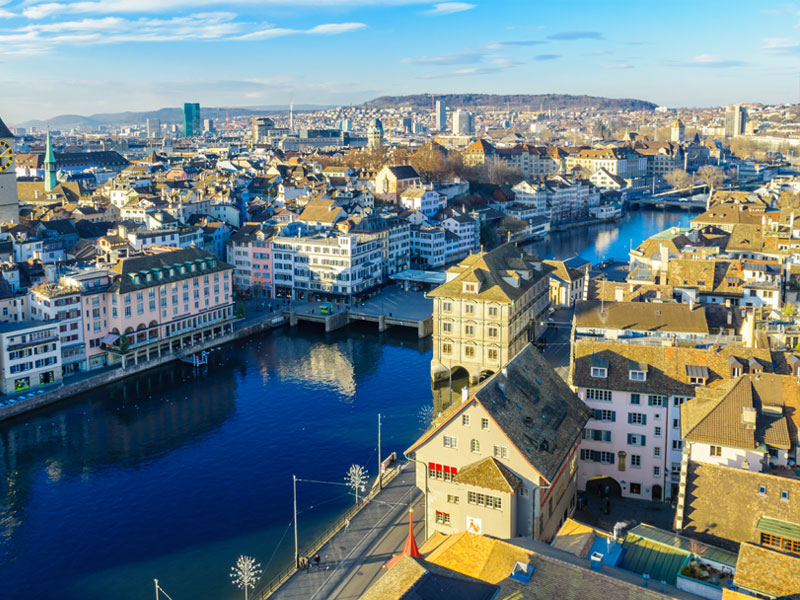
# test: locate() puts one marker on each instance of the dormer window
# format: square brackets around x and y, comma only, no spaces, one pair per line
[697,375]
[637,375]
[470,288]
[599,372]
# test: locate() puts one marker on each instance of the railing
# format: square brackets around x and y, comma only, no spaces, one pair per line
[276,582]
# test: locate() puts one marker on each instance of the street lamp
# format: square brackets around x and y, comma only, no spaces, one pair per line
[424,466]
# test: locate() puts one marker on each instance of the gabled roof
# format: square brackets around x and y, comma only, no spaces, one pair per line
[535,409]
[490,474]
[5,132]
[767,571]
[641,316]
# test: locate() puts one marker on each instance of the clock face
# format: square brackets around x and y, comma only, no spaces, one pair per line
[6,156]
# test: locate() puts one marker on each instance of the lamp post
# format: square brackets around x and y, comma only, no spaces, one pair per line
[424,466]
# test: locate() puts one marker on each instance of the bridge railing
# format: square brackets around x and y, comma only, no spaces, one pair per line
[276,582]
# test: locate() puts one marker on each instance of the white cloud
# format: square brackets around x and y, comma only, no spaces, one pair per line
[781,46]
[449,8]
[459,58]
[325,29]
[46,9]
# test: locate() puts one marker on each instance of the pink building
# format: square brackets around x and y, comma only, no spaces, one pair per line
[166,302]
[250,253]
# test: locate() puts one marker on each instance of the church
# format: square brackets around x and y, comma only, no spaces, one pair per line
[9,202]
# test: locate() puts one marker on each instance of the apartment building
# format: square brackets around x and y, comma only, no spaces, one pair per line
[622,162]
[427,246]
[250,253]
[487,311]
[468,232]
[62,304]
[394,237]
[503,462]
[428,202]
[633,442]
[340,267]
[30,355]
[92,283]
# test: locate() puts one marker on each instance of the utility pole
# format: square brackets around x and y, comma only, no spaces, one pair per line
[380,462]
[294,495]
[156,581]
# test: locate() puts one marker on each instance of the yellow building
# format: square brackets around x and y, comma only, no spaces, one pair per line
[486,312]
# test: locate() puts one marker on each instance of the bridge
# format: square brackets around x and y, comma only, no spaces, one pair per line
[698,205]
[391,308]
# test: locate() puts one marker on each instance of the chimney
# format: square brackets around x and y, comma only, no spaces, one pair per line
[749,417]
[464,394]
[619,294]
[505,372]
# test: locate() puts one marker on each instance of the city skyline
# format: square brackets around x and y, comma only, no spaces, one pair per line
[119,55]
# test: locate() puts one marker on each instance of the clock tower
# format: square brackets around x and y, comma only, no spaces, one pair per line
[9,203]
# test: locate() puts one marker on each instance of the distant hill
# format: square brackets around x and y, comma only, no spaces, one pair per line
[515,101]
[165,115]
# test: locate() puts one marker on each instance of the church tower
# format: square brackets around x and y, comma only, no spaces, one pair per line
[678,131]
[50,180]
[9,202]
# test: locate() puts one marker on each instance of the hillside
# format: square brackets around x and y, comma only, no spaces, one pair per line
[165,115]
[515,102]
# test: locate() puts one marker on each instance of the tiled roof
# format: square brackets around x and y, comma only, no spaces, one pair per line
[767,571]
[496,271]
[641,316]
[478,556]
[152,264]
[490,474]
[723,504]
[533,407]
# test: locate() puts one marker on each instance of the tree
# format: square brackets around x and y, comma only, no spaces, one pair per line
[488,235]
[246,573]
[500,172]
[743,147]
[430,163]
[712,178]
[240,310]
[356,479]
[124,344]
[678,179]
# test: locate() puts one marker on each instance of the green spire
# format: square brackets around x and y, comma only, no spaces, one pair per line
[50,180]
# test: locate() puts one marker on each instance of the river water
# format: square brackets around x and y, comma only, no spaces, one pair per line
[172,474]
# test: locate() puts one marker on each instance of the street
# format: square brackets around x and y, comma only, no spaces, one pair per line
[353,559]
[556,340]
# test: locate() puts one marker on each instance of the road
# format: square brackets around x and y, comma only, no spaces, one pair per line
[353,559]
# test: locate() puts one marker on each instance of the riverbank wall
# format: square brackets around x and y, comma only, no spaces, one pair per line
[88,381]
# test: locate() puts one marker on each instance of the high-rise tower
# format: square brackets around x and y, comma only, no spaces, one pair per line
[191,119]
[50,180]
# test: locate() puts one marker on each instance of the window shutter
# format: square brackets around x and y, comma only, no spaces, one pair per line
[598,414]
[644,440]
[613,416]
[630,438]
[644,419]
[630,418]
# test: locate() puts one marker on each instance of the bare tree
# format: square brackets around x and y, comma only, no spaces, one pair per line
[357,479]
[430,163]
[499,172]
[712,178]
[246,573]
[743,147]
[678,179]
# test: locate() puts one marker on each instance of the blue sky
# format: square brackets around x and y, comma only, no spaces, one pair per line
[89,56]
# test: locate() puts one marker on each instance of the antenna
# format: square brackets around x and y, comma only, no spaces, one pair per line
[227,122]
[291,118]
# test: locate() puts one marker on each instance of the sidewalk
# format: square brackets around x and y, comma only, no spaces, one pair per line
[352,560]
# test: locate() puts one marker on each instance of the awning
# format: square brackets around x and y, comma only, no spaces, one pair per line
[109,339]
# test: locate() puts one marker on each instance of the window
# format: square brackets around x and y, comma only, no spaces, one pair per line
[447,327]
[605,415]
[597,435]
[492,311]
[485,424]
[636,488]
[475,446]
[465,420]
[656,471]
[715,451]
[636,460]
[469,329]
[657,451]
[635,439]
[447,348]
[604,395]
[500,451]
[452,499]
[447,306]
[658,431]
[492,354]
[635,399]
[492,332]
[762,490]
[597,456]
[779,542]
[484,500]
[599,372]
[637,375]
[677,444]
[469,351]
[450,441]
[469,308]
[676,424]
[784,494]
[637,418]
[657,400]
[442,518]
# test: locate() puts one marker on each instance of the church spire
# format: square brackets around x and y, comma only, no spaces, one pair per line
[50,180]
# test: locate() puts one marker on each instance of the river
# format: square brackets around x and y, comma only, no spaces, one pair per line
[172,474]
